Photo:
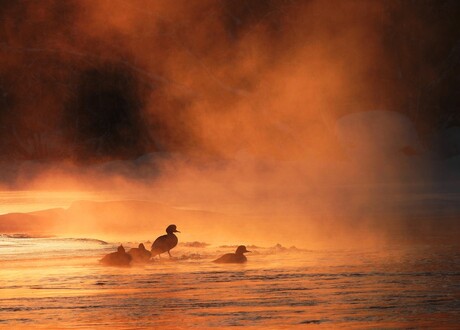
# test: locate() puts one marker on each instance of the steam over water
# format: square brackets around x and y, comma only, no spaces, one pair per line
[332,126]
[58,283]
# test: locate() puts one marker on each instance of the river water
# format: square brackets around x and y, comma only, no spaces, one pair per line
[57,283]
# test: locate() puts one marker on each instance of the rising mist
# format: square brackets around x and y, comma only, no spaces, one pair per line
[248,110]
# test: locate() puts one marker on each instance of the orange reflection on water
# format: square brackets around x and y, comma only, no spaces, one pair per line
[275,289]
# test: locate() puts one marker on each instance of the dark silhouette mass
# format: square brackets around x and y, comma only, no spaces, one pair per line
[234,258]
[107,108]
[140,254]
[119,258]
[166,242]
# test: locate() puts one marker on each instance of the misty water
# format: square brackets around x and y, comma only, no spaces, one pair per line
[58,283]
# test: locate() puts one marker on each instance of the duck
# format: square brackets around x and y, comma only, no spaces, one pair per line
[234,258]
[119,258]
[166,242]
[140,254]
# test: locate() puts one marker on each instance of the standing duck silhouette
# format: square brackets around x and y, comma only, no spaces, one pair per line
[234,258]
[166,242]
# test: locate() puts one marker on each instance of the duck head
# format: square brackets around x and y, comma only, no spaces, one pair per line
[172,229]
[121,249]
[241,249]
[141,246]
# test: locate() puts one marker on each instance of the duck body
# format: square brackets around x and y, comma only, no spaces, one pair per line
[234,258]
[166,242]
[231,258]
[117,259]
[140,254]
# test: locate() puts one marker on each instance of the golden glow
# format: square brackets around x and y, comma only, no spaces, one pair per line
[252,152]
[264,163]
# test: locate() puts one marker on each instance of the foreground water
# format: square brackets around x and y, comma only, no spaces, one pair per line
[57,283]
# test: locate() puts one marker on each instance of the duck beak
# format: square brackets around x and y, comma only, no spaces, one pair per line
[176,231]
[247,251]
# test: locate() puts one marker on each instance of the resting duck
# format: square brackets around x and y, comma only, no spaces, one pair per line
[139,254]
[119,258]
[234,258]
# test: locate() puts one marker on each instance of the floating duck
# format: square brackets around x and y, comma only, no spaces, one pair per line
[166,242]
[119,258]
[234,258]
[140,254]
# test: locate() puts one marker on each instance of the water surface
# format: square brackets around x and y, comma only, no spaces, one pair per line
[57,283]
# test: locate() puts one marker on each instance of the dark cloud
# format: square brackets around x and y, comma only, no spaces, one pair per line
[104,118]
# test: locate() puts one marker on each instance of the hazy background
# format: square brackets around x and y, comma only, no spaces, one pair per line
[304,120]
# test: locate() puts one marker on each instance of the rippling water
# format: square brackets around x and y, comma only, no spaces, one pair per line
[57,283]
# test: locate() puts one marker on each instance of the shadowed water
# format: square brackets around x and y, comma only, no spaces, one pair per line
[58,283]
